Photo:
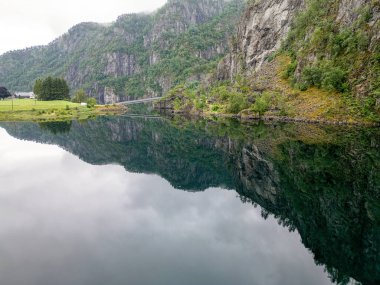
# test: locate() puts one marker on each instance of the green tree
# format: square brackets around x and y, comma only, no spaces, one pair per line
[53,89]
[37,87]
[80,96]
[4,93]
[91,102]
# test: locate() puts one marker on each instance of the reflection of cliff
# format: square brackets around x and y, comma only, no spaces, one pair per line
[326,187]
[331,195]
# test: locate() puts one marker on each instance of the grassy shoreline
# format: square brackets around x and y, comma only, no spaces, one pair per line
[33,110]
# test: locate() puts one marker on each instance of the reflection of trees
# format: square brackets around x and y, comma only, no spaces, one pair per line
[56,127]
[321,181]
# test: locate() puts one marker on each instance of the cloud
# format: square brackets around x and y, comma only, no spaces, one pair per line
[25,23]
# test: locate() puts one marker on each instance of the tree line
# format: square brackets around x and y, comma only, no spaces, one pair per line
[50,89]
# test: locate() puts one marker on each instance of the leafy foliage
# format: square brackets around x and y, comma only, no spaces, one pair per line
[80,96]
[91,102]
[50,89]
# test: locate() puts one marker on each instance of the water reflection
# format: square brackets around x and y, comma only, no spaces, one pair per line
[56,127]
[135,228]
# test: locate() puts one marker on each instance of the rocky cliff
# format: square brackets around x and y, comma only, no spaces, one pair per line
[137,55]
[262,29]
[331,45]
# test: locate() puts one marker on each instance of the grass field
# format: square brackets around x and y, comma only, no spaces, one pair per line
[32,105]
[33,110]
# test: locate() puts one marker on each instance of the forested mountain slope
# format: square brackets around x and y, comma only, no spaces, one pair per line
[138,55]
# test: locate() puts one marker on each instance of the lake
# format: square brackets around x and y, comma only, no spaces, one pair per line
[119,200]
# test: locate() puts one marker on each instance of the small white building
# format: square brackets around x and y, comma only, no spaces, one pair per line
[25,95]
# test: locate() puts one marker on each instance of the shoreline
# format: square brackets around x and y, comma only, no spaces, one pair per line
[271,118]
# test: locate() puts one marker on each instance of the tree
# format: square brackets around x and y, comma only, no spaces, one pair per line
[80,96]
[53,89]
[4,93]
[37,88]
[91,102]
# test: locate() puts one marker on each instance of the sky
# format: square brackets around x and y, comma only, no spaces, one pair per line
[26,23]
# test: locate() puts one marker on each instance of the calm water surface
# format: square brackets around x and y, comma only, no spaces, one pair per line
[122,201]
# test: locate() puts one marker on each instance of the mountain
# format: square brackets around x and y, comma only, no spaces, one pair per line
[304,59]
[138,55]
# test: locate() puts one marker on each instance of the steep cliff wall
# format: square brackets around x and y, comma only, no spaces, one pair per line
[262,29]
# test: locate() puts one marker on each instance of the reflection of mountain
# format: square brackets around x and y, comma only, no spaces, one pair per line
[324,182]
[188,160]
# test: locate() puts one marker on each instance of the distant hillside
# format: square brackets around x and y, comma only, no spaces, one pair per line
[138,55]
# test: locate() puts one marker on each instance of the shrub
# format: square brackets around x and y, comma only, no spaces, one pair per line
[200,103]
[237,102]
[177,104]
[214,108]
[91,102]
[290,70]
[334,79]
[312,76]
[262,103]
[80,96]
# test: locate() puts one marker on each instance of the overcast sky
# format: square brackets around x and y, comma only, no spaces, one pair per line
[25,23]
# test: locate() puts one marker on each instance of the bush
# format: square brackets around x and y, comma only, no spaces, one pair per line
[290,70]
[334,79]
[80,96]
[237,102]
[91,102]
[302,86]
[262,103]
[214,108]
[200,103]
[177,104]
[312,76]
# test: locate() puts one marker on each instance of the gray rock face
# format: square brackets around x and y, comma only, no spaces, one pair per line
[187,13]
[263,27]
[120,64]
[109,96]
[347,13]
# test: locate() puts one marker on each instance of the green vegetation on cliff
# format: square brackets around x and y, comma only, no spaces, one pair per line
[337,56]
[327,68]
